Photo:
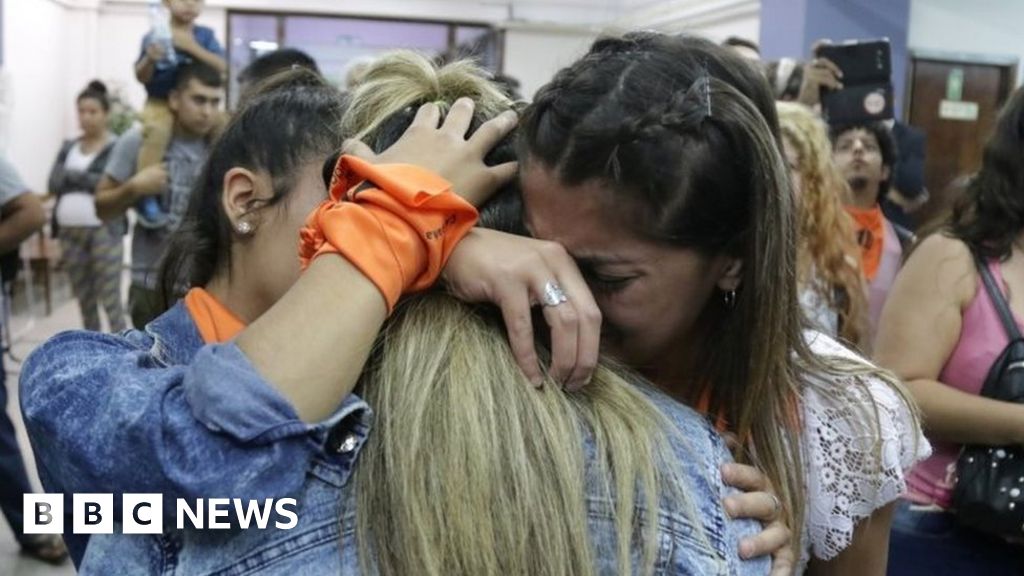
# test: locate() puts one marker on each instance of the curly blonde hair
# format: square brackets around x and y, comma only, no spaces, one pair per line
[828,257]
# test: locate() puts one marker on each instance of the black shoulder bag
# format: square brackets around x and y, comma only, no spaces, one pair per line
[989,492]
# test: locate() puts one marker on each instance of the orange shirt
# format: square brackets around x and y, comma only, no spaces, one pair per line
[870,235]
[215,322]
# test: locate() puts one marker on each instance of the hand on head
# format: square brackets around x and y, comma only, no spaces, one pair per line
[447,152]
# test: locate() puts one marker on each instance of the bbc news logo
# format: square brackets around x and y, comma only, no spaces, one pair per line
[144,514]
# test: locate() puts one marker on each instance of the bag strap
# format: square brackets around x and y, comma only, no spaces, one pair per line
[996,295]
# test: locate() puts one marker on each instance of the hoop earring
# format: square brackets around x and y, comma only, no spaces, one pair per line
[730,299]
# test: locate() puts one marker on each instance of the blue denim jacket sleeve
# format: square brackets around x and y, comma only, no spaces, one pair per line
[105,415]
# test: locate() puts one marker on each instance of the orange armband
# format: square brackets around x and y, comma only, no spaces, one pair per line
[399,234]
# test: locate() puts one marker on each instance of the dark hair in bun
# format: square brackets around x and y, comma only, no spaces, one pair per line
[96,90]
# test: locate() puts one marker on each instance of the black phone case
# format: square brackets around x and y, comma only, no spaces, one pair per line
[867,94]
[858,104]
[861,62]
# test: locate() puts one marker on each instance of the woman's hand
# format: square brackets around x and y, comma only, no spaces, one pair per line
[759,502]
[447,152]
[511,272]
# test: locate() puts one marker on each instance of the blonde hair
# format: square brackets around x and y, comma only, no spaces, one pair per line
[400,79]
[826,244]
[469,469]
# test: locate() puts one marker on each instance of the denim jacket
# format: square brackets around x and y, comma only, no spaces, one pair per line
[158,411]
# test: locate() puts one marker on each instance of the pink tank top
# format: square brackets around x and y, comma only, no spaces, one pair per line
[982,339]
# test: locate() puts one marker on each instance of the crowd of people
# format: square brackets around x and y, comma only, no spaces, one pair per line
[661,318]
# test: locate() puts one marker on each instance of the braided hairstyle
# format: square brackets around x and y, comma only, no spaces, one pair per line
[686,136]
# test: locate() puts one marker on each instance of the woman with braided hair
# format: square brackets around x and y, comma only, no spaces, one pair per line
[655,162]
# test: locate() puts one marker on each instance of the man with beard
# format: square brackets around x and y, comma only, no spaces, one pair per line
[865,155]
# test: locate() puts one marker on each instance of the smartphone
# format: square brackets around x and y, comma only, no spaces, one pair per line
[862,61]
[867,94]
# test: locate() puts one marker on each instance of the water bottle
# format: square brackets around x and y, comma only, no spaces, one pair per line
[160,23]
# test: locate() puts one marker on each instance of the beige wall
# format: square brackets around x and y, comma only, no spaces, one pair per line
[978,27]
[533,55]
[716,19]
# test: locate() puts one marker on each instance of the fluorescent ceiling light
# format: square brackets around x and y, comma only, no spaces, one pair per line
[263,45]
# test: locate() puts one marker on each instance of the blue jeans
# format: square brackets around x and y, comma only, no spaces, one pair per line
[932,543]
[13,478]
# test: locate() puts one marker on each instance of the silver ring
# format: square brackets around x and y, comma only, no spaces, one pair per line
[553,294]
[777,504]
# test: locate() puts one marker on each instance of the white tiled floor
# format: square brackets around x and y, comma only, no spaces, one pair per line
[29,332]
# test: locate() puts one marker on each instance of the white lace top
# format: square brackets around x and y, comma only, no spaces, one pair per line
[822,316]
[845,481]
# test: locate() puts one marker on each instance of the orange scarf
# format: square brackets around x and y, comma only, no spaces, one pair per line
[215,322]
[870,227]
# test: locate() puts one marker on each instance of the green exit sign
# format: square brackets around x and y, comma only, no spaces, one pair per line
[955,85]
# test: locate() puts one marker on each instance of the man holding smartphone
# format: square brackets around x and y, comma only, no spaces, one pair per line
[906,190]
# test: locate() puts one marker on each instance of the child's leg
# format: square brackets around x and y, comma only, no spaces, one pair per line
[157,130]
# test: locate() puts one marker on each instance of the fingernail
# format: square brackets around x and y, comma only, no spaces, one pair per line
[744,550]
[729,507]
[537,381]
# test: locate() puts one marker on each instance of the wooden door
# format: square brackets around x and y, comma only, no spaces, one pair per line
[956,102]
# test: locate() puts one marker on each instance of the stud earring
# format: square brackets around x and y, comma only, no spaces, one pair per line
[244,228]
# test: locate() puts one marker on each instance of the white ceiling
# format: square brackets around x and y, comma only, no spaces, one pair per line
[583,13]
[603,5]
